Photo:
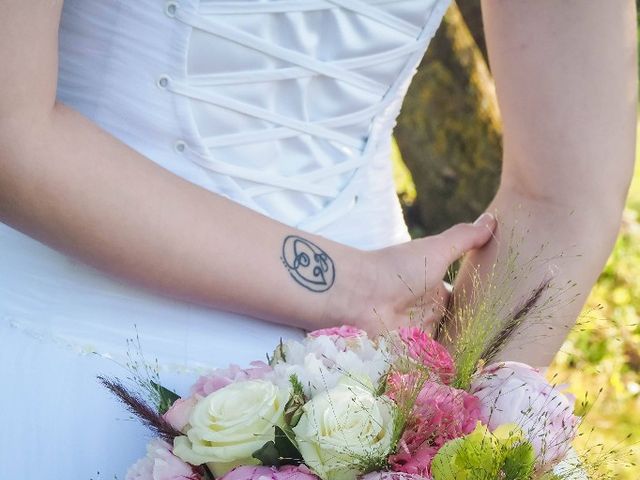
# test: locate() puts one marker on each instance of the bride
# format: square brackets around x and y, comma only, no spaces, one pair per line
[214,175]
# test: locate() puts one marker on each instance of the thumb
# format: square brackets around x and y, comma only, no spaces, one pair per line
[459,239]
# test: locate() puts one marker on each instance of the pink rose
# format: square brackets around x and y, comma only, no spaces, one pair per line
[393,476]
[512,392]
[179,413]
[424,349]
[344,331]
[440,413]
[219,378]
[160,464]
[288,472]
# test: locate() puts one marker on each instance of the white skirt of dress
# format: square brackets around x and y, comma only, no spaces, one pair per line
[62,324]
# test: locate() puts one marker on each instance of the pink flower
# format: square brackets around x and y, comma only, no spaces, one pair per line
[179,413]
[440,413]
[345,338]
[512,392]
[416,461]
[288,472]
[219,378]
[393,476]
[424,349]
[160,464]
[343,331]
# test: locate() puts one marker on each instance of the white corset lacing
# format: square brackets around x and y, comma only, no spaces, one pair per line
[357,149]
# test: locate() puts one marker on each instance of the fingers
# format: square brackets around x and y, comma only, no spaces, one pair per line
[436,309]
[459,239]
[427,311]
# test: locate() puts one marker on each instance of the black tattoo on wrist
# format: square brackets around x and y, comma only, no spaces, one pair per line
[308,264]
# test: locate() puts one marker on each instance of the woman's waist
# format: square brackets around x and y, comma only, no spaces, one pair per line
[54,298]
[289,181]
[287,177]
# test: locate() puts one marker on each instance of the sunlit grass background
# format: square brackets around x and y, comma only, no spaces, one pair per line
[603,351]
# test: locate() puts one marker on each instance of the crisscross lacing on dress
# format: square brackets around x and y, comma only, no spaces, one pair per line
[210,17]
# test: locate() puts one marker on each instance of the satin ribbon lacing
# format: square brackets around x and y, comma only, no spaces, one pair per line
[210,18]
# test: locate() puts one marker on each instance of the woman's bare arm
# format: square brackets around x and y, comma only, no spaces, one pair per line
[69,184]
[566,79]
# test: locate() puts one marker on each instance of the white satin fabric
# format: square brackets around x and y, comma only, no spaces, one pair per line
[285,106]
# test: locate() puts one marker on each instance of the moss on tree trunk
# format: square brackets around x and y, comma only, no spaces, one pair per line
[449,131]
[472,15]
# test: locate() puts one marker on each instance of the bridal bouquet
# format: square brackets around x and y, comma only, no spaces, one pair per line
[339,405]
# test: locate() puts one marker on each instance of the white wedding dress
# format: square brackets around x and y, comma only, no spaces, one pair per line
[285,106]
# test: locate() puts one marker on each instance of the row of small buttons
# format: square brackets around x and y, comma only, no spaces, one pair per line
[171,8]
[163,80]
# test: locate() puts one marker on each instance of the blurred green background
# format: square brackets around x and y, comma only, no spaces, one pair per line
[447,165]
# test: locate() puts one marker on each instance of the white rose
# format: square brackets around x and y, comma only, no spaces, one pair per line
[227,426]
[343,428]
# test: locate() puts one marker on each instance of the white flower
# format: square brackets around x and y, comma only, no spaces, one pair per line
[160,464]
[227,426]
[343,428]
[320,362]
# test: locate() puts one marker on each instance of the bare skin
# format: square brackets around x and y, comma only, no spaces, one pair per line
[179,240]
[566,79]
[186,242]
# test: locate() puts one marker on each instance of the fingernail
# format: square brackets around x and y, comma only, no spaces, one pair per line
[484,219]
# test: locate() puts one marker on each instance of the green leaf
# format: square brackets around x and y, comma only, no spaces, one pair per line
[278,354]
[382,385]
[268,454]
[296,385]
[444,465]
[207,473]
[293,409]
[289,453]
[167,397]
[473,457]
[278,452]
[293,414]
[519,462]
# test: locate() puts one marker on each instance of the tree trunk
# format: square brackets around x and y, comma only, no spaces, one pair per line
[449,131]
[472,15]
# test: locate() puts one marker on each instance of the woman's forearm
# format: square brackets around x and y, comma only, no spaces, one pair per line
[566,80]
[553,242]
[71,185]
[74,187]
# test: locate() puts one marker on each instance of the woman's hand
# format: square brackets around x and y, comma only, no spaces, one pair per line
[403,284]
